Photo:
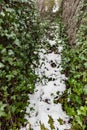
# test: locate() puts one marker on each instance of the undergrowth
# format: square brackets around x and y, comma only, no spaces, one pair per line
[75,67]
[19,39]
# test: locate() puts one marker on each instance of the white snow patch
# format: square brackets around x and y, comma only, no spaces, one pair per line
[42,101]
[56,7]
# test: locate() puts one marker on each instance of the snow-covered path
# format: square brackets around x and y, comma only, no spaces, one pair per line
[44,114]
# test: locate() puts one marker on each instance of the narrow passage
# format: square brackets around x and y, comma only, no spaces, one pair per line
[44,112]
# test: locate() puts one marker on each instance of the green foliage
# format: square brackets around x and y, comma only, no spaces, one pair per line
[43,127]
[75,67]
[19,38]
[51,123]
[60,121]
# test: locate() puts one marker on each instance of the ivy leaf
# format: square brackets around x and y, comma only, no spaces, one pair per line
[85,64]
[78,119]
[60,121]
[1,65]
[17,42]
[85,89]
[43,127]
[2,13]
[82,111]
[10,52]
[2,106]
[51,122]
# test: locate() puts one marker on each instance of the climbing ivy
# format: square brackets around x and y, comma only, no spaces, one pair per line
[19,39]
[75,67]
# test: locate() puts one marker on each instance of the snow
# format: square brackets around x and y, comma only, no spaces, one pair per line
[42,101]
[51,84]
[56,7]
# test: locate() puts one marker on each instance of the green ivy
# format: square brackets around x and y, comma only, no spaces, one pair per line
[19,39]
[75,67]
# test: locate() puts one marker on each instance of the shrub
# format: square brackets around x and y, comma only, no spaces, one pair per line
[19,38]
[75,67]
